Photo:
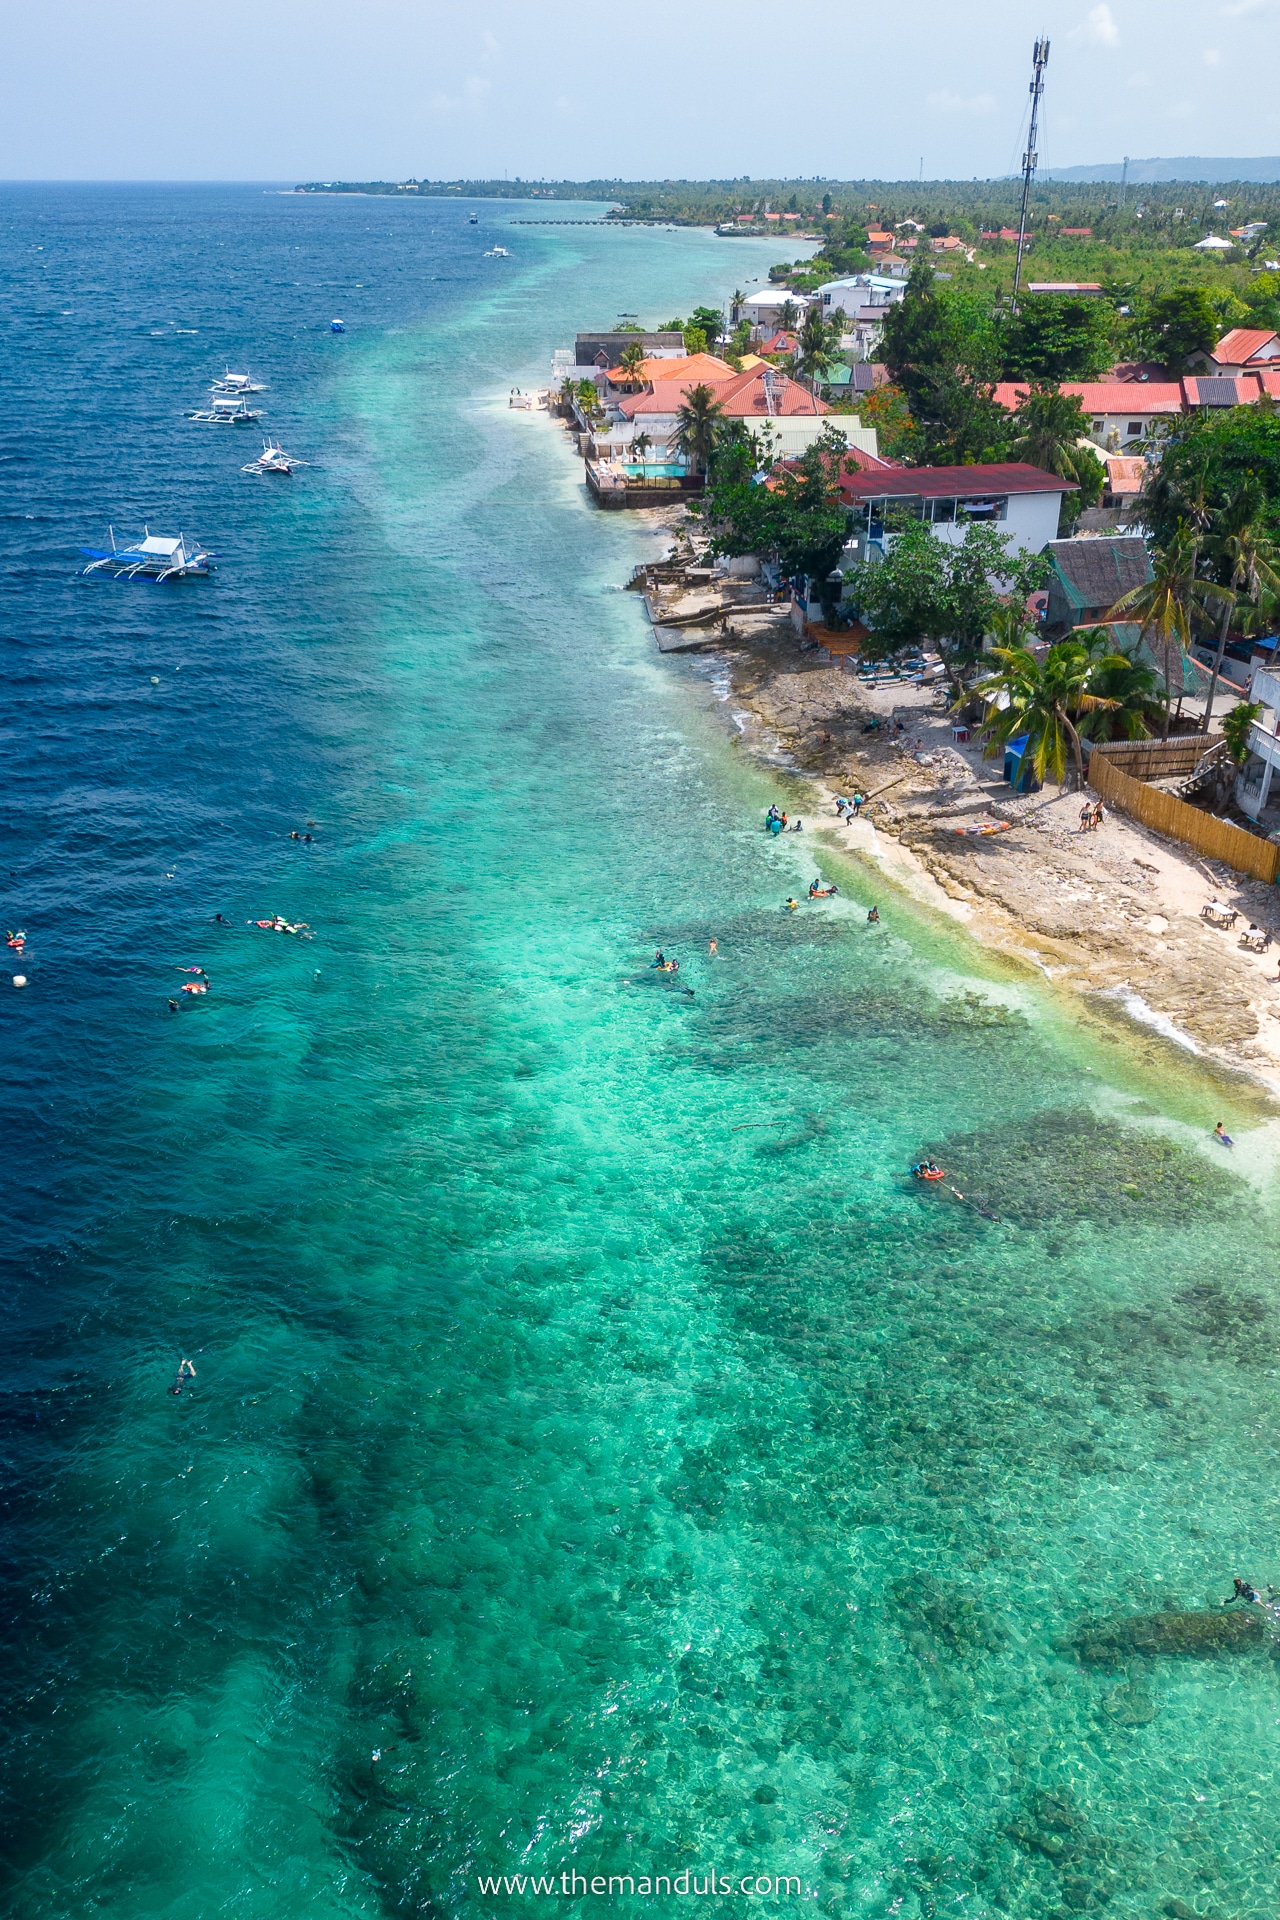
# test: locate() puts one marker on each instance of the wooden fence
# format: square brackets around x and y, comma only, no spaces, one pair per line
[1169,815]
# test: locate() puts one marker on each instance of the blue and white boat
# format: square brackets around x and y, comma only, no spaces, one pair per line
[156,556]
[228,410]
[237,383]
[336,326]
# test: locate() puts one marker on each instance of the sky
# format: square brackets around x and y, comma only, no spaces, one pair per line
[299,90]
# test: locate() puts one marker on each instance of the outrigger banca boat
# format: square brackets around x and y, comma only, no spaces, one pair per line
[155,557]
[229,412]
[273,459]
[236,383]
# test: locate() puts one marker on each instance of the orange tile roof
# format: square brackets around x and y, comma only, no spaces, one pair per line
[693,367]
[740,397]
[1239,346]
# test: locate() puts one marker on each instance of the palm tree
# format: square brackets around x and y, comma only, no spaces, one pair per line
[813,348]
[1170,602]
[1128,687]
[640,446]
[1039,698]
[1250,561]
[1049,427]
[788,314]
[695,432]
[632,363]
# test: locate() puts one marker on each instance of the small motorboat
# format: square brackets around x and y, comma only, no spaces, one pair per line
[237,383]
[475,220]
[154,557]
[336,326]
[228,411]
[272,459]
[497,253]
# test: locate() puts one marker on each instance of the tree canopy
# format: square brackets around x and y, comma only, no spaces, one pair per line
[928,590]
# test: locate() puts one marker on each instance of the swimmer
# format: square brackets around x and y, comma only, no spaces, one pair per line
[173,1006]
[15,940]
[792,906]
[873,918]
[196,986]
[185,1371]
[713,951]
[797,826]
[1243,1591]
[218,921]
[1220,1133]
[295,835]
[659,958]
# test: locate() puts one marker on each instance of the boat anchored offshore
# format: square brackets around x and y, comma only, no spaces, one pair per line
[273,459]
[228,410]
[336,326]
[156,557]
[237,383]
[498,253]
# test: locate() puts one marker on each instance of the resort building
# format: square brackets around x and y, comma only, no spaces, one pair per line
[1019,500]
[786,414]
[1243,350]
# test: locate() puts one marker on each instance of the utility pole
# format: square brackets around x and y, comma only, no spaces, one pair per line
[1124,179]
[1040,60]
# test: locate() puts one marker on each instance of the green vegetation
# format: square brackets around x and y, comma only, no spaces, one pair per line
[1046,432]
[1235,728]
[798,520]
[927,591]
[697,420]
[1174,599]
[1043,699]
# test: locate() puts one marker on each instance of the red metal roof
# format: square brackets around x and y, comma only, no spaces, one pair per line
[1106,396]
[1239,346]
[953,483]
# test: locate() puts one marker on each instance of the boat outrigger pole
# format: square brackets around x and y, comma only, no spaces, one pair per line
[1040,60]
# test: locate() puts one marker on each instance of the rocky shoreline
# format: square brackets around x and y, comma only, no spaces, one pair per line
[1113,912]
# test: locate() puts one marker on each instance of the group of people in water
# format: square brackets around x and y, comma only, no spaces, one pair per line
[775,821]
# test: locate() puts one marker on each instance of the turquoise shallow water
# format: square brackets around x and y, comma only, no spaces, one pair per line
[600,1458]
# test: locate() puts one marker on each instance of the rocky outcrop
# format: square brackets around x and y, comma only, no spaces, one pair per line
[1202,1635]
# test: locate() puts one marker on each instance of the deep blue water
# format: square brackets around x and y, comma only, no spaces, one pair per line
[599,1458]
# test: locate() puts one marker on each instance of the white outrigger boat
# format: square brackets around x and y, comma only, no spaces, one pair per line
[230,411]
[237,383]
[273,459]
[498,253]
[155,557]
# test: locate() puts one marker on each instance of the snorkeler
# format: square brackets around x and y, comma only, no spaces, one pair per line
[185,1370]
[1243,1591]
[791,906]
[1220,1133]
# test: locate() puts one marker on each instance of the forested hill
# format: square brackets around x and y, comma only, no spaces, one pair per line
[1190,168]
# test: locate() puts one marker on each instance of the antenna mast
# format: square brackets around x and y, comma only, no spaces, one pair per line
[1040,59]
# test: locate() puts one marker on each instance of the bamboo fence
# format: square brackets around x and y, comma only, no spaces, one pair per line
[1158,759]
[1173,817]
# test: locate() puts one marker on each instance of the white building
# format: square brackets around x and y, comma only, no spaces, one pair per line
[1253,786]
[1019,500]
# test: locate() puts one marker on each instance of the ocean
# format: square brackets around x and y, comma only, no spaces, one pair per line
[602,1460]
